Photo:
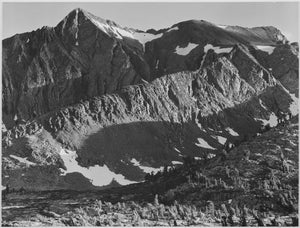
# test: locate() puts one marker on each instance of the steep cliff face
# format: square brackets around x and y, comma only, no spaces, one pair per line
[53,67]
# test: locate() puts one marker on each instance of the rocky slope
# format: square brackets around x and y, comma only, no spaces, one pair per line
[88,103]
[256,183]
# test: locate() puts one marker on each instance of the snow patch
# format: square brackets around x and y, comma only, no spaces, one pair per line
[76,23]
[268,49]
[173,29]
[146,169]
[156,65]
[216,49]
[186,50]
[144,37]
[272,120]
[204,144]
[231,131]
[23,160]
[98,175]
[116,31]
[294,108]
[123,32]
[262,105]
[222,26]
[222,140]
[27,41]
[210,155]
[177,163]
[179,152]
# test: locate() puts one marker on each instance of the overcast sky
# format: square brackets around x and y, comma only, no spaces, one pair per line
[25,17]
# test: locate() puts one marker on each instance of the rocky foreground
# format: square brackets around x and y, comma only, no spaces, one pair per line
[255,183]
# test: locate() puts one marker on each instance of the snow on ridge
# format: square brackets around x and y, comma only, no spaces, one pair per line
[118,32]
[216,49]
[173,29]
[98,175]
[76,23]
[266,48]
[186,50]
[123,32]
[222,26]
[146,169]
[22,160]
[231,131]
[144,37]
[202,143]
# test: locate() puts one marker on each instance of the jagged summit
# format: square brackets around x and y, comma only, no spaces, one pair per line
[79,17]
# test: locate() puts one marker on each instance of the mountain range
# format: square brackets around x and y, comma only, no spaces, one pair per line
[88,104]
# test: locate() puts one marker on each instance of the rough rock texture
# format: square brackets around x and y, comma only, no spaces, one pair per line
[258,178]
[90,94]
[86,56]
[154,123]
[53,67]
[162,57]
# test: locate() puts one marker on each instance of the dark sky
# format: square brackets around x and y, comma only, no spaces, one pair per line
[25,17]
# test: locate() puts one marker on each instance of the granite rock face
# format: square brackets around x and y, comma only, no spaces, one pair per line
[85,56]
[53,67]
[89,96]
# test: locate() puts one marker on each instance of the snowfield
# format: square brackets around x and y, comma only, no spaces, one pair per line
[216,49]
[146,169]
[268,49]
[98,175]
[186,50]
[202,143]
